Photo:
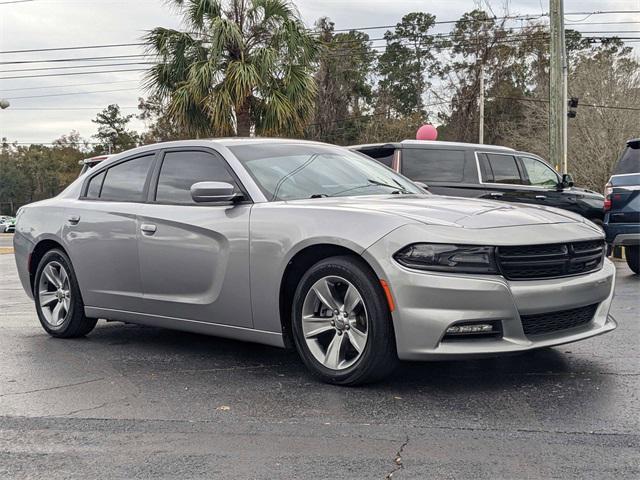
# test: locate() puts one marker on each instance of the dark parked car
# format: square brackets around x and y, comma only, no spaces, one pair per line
[486,171]
[622,205]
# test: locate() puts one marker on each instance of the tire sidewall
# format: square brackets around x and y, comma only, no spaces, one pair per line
[75,305]
[359,275]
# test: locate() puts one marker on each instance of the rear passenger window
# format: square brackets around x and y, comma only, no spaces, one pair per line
[630,160]
[180,170]
[125,181]
[503,169]
[95,184]
[383,155]
[433,165]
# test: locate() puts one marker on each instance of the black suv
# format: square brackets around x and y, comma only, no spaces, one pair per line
[622,205]
[486,171]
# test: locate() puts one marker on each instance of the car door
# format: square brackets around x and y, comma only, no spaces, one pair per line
[543,184]
[194,258]
[501,177]
[101,234]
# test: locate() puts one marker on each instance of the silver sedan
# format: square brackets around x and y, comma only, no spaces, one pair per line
[309,246]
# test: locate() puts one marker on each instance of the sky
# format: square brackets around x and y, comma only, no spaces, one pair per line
[60,104]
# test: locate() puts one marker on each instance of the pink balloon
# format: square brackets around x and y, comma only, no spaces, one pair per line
[427,132]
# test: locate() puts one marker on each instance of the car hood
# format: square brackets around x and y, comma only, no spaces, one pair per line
[450,211]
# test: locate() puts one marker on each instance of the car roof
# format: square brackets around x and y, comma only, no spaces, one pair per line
[432,143]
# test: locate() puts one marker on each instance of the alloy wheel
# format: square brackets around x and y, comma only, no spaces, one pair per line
[335,322]
[54,293]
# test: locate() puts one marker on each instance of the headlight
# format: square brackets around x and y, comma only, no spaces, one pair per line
[448,258]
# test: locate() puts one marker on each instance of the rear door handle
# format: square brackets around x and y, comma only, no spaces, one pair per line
[73,219]
[148,228]
[541,197]
[496,194]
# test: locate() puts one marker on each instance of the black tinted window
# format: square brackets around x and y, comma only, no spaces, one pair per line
[630,161]
[383,155]
[95,184]
[125,181]
[180,170]
[433,165]
[504,169]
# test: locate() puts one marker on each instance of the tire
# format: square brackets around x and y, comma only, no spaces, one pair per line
[358,361]
[56,277]
[632,254]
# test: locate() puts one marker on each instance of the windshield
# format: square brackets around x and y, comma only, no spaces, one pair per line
[292,172]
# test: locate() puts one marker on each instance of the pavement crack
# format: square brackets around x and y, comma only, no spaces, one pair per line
[56,387]
[397,461]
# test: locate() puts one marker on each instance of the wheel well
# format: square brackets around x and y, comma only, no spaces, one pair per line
[298,265]
[38,252]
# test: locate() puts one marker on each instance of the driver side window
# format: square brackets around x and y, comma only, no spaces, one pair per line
[539,174]
[182,169]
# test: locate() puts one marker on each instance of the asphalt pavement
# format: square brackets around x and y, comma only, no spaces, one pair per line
[139,402]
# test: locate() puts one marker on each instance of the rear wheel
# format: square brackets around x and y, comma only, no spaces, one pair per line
[341,323]
[632,254]
[57,296]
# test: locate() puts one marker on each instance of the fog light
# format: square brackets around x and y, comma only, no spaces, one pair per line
[470,328]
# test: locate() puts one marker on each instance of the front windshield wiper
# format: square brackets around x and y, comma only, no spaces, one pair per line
[396,190]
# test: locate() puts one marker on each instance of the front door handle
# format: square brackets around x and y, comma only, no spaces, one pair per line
[73,219]
[496,194]
[148,228]
[541,197]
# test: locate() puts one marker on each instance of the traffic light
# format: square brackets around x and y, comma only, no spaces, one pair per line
[573,103]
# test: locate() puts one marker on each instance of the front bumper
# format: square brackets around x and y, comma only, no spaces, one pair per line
[427,303]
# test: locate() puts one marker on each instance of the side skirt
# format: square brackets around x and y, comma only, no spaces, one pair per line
[215,329]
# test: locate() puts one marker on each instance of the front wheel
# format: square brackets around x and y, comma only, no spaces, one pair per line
[58,301]
[342,326]
[632,254]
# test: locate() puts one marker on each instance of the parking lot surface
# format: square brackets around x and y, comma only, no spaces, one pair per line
[140,402]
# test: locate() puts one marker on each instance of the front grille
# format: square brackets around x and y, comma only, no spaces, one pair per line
[555,321]
[530,262]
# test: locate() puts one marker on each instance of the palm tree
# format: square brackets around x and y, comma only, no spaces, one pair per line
[239,64]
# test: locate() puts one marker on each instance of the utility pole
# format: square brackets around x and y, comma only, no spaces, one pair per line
[557,99]
[565,101]
[481,113]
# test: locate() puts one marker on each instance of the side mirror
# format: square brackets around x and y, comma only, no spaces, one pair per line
[212,192]
[567,181]
[422,185]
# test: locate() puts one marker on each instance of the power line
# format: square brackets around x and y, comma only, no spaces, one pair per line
[591,105]
[66,67]
[73,93]
[77,59]
[12,109]
[74,73]
[112,45]
[46,87]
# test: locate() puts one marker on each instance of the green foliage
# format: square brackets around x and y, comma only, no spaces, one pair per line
[35,172]
[250,66]
[409,56]
[112,131]
[344,85]
[241,65]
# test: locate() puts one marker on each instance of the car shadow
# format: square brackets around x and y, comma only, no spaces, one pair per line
[201,353]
